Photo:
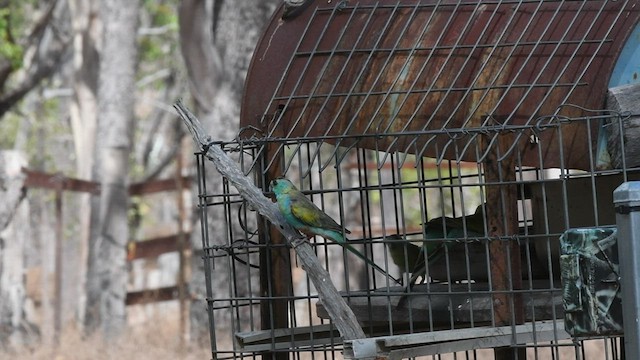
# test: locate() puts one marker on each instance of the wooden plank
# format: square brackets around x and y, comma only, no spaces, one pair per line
[411,164]
[39,179]
[448,341]
[154,186]
[153,247]
[433,306]
[152,295]
[279,339]
[624,100]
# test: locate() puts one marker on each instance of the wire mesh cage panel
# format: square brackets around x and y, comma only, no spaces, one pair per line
[455,142]
[490,242]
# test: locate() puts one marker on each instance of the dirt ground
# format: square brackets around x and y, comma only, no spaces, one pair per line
[157,342]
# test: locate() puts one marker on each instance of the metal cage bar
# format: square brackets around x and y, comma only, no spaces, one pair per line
[399,119]
[377,195]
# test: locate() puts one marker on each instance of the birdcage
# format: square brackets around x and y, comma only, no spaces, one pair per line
[458,142]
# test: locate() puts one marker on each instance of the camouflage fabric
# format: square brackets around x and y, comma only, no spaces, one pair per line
[590,282]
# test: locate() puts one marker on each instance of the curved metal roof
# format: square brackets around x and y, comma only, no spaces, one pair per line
[418,67]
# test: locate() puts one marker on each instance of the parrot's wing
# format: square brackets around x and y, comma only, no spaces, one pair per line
[476,221]
[308,213]
[435,230]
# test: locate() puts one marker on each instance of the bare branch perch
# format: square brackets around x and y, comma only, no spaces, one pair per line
[340,313]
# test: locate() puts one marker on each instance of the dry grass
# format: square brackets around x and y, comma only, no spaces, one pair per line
[151,341]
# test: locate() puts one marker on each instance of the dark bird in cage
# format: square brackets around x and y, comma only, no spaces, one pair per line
[406,260]
[306,217]
[440,234]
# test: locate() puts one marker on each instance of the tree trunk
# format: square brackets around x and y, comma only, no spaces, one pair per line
[15,329]
[106,270]
[217,62]
[83,115]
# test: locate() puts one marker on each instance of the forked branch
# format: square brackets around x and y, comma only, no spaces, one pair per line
[342,316]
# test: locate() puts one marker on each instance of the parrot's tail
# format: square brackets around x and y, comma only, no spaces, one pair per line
[337,237]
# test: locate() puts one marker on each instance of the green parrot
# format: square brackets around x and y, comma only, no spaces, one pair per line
[306,217]
[433,245]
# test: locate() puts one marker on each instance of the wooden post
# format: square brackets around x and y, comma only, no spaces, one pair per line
[57,311]
[502,221]
[622,136]
[184,254]
[276,281]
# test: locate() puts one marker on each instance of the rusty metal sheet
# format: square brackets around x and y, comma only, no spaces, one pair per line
[411,67]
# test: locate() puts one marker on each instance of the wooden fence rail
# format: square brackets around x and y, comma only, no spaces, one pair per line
[150,248]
